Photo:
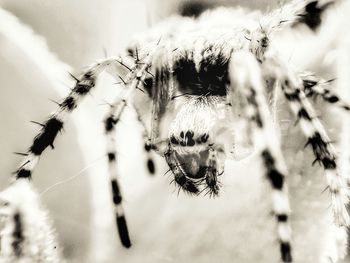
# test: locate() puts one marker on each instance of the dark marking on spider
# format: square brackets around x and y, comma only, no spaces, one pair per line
[346,107]
[186,184]
[320,149]
[88,75]
[333,99]
[17,235]
[110,122]
[282,218]
[130,51]
[23,173]
[264,42]
[286,252]
[148,147]
[69,103]
[329,163]
[304,114]
[194,8]
[117,198]
[82,89]
[252,100]
[182,134]
[173,140]
[204,138]
[275,177]
[123,231]
[47,136]
[212,181]
[308,85]
[312,16]
[111,157]
[210,80]
[189,137]
[150,166]
[148,84]
[292,96]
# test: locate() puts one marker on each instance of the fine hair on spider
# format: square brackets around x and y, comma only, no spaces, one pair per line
[190,80]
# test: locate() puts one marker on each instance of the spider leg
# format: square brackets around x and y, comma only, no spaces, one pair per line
[50,129]
[296,12]
[246,77]
[314,86]
[322,147]
[54,124]
[342,85]
[111,121]
[326,155]
[308,12]
[148,146]
[324,152]
[25,227]
[21,198]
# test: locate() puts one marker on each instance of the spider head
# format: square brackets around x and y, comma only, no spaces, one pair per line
[196,154]
[190,112]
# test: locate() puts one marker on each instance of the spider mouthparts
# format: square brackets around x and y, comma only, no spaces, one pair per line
[199,174]
[186,184]
[211,180]
[195,173]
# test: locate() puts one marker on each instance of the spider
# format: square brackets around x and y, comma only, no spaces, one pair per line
[201,87]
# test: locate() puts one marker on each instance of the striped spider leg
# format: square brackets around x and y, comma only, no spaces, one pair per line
[27,233]
[314,86]
[133,83]
[293,88]
[246,77]
[50,129]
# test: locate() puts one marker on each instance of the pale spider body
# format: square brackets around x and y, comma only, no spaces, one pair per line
[198,116]
[204,90]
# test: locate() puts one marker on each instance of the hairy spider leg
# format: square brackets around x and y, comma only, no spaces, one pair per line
[292,14]
[246,77]
[12,232]
[148,146]
[54,124]
[84,84]
[326,155]
[296,90]
[45,138]
[342,86]
[323,150]
[111,121]
[315,86]
[308,12]
[26,231]
[162,88]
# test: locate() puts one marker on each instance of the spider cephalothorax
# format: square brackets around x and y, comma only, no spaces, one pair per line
[195,146]
[194,82]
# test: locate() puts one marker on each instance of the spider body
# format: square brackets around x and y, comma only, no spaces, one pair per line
[201,88]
